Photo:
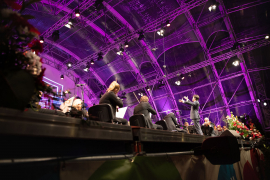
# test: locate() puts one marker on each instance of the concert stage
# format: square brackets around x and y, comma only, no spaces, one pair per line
[32,134]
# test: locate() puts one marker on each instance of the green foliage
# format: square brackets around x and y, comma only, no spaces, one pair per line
[235,124]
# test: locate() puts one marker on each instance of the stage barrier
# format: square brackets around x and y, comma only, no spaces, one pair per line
[184,167]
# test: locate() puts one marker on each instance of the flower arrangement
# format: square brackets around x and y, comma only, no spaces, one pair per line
[21,72]
[243,130]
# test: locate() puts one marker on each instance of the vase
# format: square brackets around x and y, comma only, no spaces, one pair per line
[16,89]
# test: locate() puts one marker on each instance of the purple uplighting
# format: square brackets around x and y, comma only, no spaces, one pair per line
[215,50]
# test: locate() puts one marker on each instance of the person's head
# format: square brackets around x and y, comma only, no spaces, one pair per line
[206,120]
[195,97]
[77,104]
[114,86]
[144,99]
[224,127]
[186,124]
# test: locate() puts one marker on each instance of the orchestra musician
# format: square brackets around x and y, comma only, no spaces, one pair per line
[194,112]
[145,108]
[172,123]
[207,127]
[110,97]
[219,130]
[186,127]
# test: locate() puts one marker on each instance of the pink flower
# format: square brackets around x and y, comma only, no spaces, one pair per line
[237,131]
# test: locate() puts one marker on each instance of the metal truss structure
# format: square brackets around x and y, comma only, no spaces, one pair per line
[184,8]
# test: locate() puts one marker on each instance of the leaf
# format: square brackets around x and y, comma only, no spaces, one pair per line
[27,16]
[25,4]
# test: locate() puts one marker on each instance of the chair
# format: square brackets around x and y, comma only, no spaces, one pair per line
[138,120]
[163,124]
[102,112]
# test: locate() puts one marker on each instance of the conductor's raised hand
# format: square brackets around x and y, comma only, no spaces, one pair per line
[181,100]
[186,98]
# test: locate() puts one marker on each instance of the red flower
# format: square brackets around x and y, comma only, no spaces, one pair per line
[238,126]
[13,4]
[241,134]
[237,131]
[234,125]
[36,46]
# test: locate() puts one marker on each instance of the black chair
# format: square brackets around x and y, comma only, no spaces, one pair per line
[138,120]
[162,123]
[102,112]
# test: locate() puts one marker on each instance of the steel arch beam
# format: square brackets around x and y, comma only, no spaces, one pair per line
[242,63]
[95,27]
[132,63]
[203,44]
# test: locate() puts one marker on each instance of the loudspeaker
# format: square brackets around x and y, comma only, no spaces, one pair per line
[222,150]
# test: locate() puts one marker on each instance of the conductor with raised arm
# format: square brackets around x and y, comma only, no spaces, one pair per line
[194,112]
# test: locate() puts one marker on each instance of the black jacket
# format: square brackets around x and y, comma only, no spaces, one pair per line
[194,111]
[112,99]
[145,108]
[171,121]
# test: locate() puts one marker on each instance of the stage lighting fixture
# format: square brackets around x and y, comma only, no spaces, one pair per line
[154,48]
[267,37]
[148,88]
[265,103]
[70,21]
[258,100]
[161,32]
[140,94]
[120,52]
[236,63]
[87,67]
[161,84]
[100,56]
[69,65]
[182,76]
[41,39]
[62,76]
[92,62]
[213,6]
[126,44]
[178,82]
[98,5]
[77,13]
[141,36]
[55,35]
[168,23]
[69,26]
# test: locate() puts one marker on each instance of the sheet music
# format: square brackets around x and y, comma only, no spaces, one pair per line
[121,112]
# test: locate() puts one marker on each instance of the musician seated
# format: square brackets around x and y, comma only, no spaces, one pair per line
[110,97]
[172,123]
[219,130]
[145,108]
[186,127]
[207,127]
[225,128]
